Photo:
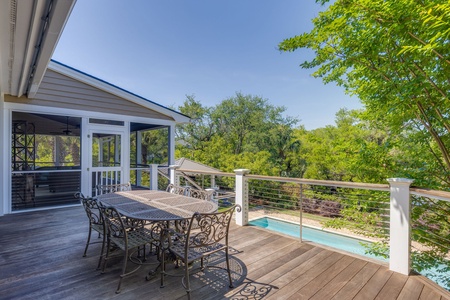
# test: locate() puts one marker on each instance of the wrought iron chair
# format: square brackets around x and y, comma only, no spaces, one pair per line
[201,194]
[112,188]
[179,190]
[209,236]
[130,236]
[182,225]
[96,223]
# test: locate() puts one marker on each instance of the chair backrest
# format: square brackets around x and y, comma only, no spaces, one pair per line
[112,188]
[209,229]
[115,225]
[179,190]
[92,209]
[201,194]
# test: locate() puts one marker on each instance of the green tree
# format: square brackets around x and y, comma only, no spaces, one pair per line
[200,130]
[394,55]
[241,129]
[245,120]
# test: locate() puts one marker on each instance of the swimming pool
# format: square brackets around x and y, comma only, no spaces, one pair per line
[338,241]
[327,238]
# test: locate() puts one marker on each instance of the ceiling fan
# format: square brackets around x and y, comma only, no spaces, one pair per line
[66,130]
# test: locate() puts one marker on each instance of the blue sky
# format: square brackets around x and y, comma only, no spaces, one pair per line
[167,49]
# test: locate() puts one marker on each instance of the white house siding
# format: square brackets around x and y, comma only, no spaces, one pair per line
[57,90]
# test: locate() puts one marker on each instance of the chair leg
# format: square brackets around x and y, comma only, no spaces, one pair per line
[124,270]
[88,241]
[108,246]
[101,253]
[228,268]
[188,284]
[163,266]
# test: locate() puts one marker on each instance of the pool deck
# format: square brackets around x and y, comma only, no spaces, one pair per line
[41,258]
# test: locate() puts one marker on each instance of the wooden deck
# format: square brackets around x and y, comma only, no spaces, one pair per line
[41,258]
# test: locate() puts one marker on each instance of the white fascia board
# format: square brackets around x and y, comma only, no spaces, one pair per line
[19,26]
[5,46]
[60,14]
[30,108]
[77,75]
[30,28]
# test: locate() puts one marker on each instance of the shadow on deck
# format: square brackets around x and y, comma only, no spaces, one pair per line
[41,258]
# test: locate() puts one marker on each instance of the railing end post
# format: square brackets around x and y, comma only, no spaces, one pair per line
[242,196]
[154,176]
[400,225]
[173,174]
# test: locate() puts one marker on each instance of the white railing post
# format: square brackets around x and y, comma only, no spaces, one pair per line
[213,181]
[154,176]
[400,226]
[211,196]
[242,196]
[174,179]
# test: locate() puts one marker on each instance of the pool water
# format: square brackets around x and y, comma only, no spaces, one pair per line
[334,240]
[330,239]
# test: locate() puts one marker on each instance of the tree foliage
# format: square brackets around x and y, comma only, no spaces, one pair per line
[394,55]
[243,131]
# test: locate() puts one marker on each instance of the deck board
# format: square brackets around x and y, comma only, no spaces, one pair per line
[324,278]
[336,284]
[374,285]
[393,287]
[41,258]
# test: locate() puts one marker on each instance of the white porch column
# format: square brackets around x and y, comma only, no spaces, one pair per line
[174,179]
[400,227]
[154,176]
[171,144]
[242,196]
[100,151]
[117,143]
[213,181]
[139,159]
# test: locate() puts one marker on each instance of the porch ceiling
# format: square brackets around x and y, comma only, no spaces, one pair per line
[29,32]
[51,124]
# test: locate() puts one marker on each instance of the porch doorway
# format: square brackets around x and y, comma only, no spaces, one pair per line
[106,158]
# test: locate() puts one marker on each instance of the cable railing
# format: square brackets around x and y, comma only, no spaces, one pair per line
[409,227]
[359,212]
[430,238]
[223,184]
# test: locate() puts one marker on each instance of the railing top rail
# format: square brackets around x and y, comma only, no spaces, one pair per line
[423,192]
[205,172]
[439,195]
[354,185]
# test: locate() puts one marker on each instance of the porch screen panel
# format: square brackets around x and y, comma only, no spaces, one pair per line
[149,144]
[46,151]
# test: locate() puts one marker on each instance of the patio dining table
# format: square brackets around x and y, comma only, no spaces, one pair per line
[156,206]
[150,205]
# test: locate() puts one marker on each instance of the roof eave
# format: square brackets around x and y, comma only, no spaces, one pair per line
[46,41]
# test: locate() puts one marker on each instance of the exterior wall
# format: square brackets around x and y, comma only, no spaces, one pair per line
[57,90]
[65,95]
[86,127]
